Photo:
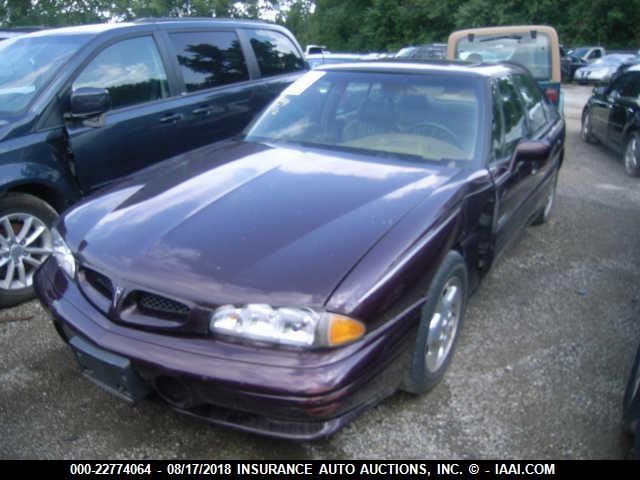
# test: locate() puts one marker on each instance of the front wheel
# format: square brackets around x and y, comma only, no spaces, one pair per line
[440,323]
[586,131]
[25,243]
[632,155]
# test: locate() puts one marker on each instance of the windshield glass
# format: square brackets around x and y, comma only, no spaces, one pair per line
[422,117]
[580,52]
[613,59]
[532,51]
[28,63]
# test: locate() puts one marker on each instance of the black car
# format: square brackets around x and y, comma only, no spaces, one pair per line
[631,405]
[612,116]
[569,64]
[82,106]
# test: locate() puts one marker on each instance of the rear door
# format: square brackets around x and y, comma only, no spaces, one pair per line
[139,129]
[215,85]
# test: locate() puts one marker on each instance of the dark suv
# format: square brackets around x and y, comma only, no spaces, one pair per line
[82,106]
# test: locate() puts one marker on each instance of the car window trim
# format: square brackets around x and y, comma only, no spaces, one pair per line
[498,98]
[249,55]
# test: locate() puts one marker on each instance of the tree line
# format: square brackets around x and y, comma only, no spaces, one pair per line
[361,25]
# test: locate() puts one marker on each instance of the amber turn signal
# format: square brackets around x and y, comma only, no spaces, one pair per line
[344,330]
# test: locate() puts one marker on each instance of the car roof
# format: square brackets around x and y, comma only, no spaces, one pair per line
[438,66]
[98,28]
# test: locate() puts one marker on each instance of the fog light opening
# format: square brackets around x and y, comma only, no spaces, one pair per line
[174,392]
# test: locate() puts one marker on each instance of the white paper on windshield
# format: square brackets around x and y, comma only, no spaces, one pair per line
[299,86]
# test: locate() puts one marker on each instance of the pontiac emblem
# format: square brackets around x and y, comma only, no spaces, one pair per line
[117,294]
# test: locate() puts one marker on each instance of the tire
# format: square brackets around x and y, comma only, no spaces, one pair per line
[631,156]
[545,212]
[25,242]
[435,340]
[586,132]
[631,402]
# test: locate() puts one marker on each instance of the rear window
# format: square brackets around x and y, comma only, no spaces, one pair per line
[209,59]
[276,54]
[529,49]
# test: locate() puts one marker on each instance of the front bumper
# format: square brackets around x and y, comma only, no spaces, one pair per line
[279,393]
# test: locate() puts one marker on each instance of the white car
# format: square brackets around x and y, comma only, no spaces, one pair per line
[602,69]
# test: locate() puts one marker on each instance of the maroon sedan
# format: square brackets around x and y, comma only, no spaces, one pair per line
[285,282]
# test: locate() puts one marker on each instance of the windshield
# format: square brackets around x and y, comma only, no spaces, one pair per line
[532,51]
[422,117]
[580,52]
[613,59]
[28,63]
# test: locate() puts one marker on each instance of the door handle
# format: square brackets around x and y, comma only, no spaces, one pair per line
[171,118]
[204,111]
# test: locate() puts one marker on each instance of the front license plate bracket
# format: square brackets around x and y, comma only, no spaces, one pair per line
[112,372]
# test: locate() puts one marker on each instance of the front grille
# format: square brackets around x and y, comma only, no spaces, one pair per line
[99,282]
[155,304]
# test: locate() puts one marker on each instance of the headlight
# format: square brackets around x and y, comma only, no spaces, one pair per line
[302,327]
[62,254]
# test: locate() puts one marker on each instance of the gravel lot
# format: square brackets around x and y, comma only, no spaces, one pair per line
[539,373]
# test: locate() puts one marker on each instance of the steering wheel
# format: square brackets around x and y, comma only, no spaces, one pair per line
[435,130]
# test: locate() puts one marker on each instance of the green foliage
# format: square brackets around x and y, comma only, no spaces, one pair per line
[361,25]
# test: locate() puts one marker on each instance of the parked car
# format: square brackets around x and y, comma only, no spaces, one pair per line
[82,106]
[588,54]
[612,116]
[535,47]
[631,405]
[316,60]
[315,49]
[423,52]
[601,71]
[569,65]
[286,282]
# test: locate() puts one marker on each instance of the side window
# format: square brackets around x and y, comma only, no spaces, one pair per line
[513,114]
[209,59]
[631,87]
[131,70]
[276,54]
[634,87]
[620,86]
[595,54]
[497,124]
[533,102]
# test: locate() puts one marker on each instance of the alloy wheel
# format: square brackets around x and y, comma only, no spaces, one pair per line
[443,325]
[631,155]
[25,242]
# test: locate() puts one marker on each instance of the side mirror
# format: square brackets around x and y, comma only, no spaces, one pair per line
[89,102]
[532,151]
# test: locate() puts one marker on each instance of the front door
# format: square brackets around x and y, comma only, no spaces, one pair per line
[138,130]
[510,178]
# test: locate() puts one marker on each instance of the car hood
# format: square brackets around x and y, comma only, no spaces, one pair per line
[244,222]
